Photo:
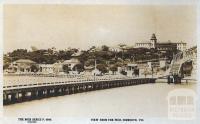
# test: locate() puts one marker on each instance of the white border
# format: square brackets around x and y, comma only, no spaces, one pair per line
[1,62]
[100,2]
[178,2]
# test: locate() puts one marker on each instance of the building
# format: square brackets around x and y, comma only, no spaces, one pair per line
[58,67]
[115,49]
[151,44]
[161,46]
[73,61]
[21,66]
[46,68]
[96,72]
[143,44]
[130,69]
[166,46]
[181,46]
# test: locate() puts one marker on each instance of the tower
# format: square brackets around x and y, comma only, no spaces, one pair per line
[153,41]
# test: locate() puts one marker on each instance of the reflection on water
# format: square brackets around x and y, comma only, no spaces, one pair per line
[147,100]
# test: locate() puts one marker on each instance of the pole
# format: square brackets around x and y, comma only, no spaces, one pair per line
[95,63]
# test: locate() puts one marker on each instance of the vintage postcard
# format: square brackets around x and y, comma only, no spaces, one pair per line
[89,62]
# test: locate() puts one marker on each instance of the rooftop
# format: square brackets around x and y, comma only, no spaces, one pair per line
[25,61]
[76,54]
[71,61]
[153,37]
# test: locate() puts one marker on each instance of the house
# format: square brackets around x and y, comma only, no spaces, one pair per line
[115,49]
[46,68]
[90,70]
[71,63]
[96,72]
[131,69]
[21,66]
[58,67]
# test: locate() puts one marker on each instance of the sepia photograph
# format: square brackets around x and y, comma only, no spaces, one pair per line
[124,63]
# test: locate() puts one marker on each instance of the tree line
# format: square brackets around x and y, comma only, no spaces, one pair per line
[106,59]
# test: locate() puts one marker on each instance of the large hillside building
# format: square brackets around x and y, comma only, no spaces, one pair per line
[161,46]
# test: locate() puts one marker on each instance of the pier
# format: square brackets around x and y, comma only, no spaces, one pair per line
[31,91]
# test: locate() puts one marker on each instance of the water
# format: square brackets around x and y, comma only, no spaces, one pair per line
[147,100]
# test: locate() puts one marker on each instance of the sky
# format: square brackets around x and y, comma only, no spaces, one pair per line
[83,26]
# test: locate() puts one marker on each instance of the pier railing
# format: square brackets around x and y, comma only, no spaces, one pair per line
[16,94]
[16,84]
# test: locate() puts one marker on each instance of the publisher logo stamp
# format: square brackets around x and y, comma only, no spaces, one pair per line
[181,104]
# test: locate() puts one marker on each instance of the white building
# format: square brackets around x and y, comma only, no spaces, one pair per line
[145,45]
[21,66]
[96,72]
[161,46]
[46,68]
[115,49]
[151,44]
[58,67]
[130,69]
[181,46]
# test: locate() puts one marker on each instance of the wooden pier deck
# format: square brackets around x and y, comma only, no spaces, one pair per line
[20,92]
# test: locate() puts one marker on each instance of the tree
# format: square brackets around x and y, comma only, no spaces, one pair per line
[123,72]
[113,68]
[92,48]
[102,68]
[78,67]
[66,68]
[122,46]
[105,48]
[6,61]
[64,55]
[89,62]
[84,57]
[5,66]
[34,68]
[18,54]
